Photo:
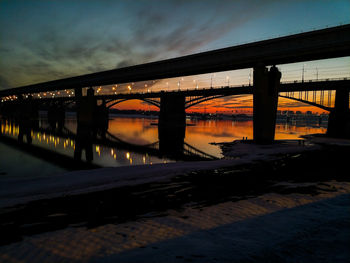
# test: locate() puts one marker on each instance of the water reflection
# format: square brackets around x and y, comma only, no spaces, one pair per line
[56,115]
[90,146]
[171,140]
[83,142]
[130,141]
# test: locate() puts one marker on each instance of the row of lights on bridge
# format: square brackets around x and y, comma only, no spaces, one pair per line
[130,87]
[99,89]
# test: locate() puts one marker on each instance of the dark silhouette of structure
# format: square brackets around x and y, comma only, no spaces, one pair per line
[265,100]
[172,123]
[101,119]
[86,111]
[56,115]
[339,117]
[27,116]
[319,44]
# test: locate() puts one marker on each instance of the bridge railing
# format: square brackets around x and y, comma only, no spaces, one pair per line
[313,80]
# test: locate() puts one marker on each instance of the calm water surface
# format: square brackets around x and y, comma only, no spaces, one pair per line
[132,132]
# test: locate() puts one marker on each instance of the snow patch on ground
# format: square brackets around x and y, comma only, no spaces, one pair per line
[251,151]
[321,139]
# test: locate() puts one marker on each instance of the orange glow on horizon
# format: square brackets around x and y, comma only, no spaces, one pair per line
[214,106]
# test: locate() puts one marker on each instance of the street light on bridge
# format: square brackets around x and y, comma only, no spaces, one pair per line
[211,80]
[250,76]
[302,76]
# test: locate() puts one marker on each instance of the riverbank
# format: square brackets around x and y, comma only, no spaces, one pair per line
[268,209]
[18,191]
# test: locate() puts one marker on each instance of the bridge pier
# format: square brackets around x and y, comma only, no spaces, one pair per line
[101,119]
[339,117]
[86,108]
[27,117]
[265,100]
[172,124]
[56,115]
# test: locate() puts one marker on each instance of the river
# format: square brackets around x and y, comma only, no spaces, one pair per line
[131,141]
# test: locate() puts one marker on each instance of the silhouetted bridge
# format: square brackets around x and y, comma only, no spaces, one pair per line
[295,90]
[320,44]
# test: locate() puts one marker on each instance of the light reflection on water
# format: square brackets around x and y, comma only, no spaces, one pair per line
[205,132]
[143,131]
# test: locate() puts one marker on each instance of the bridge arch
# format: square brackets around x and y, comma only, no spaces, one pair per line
[198,100]
[115,102]
[308,102]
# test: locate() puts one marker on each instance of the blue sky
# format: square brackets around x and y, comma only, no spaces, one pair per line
[46,40]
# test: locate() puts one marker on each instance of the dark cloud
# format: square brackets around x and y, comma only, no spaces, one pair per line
[125,63]
[291,104]
[60,50]
[148,31]
[3,83]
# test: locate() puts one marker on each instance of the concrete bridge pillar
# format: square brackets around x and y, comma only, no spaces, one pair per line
[339,117]
[78,92]
[86,108]
[56,115]
[172,124]
[265,100]
[101,119]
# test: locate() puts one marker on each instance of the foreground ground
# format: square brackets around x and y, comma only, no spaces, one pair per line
[293,208]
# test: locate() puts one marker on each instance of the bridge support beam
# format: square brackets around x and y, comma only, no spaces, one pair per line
[172,124]
[339,117]
[265,100]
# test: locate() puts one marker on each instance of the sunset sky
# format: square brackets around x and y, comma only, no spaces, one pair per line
[46,40]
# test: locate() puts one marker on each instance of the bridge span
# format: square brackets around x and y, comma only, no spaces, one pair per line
[195,96]
[319,44]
